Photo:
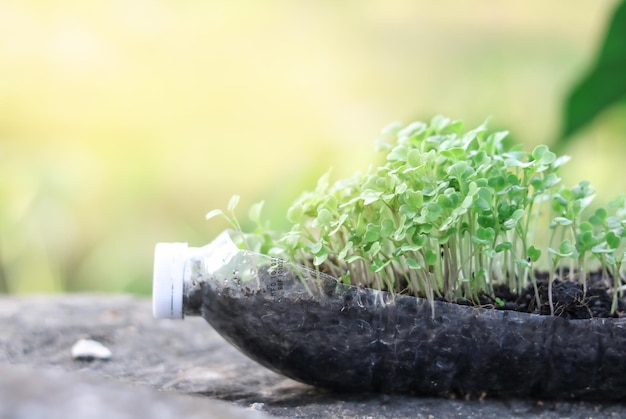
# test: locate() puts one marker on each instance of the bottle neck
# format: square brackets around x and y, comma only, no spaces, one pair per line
[194,277]
[200,267]
[182,273]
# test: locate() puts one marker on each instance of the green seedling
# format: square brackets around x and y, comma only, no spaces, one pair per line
[448,215]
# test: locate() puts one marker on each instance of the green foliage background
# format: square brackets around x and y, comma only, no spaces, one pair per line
[605,84]
[123,123]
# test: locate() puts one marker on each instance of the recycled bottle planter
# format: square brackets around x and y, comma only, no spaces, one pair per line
[312,328]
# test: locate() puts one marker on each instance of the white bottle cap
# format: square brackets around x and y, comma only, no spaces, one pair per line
[167,284]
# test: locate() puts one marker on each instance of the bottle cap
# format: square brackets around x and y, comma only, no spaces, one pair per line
[167,284]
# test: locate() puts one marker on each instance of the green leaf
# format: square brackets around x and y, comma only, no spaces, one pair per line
[560,161]
[369,196]
[613,240]
[563,221]
[295,213]
[374,249]
[413,129]
[316,247]
[566,249]
[582,190]
[419,239]
[515,162]
[387,227]
[345,250]
[414,199]
[291,240]
[496,182]
[398,153]
[372,233]
[486,233]
[598,217]
[414,158]
[482,204]
[610,259]
[319,259]
[460,170]
[487,221]
[501,247]
[586,240]
[323,218]
[430,257]
[601,249]
[410,247]
[323,183]
[412,263]
[539,151]
[401,188]
[494,141]
[432,212]
[338,224]
[453,153]
[453,127]
[543,155]
[444,202]
[484,199]
[378,265]
[214,213]
[467,202]
[559,201]
[585,226]
[614,223]
[533,253]
[439,122]
[484,236]
[232,204]
[446,235]
[254,213]
[517,215]
[354,258]
[604,85]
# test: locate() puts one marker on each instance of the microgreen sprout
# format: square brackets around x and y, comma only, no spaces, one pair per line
[260,240]
[449,215]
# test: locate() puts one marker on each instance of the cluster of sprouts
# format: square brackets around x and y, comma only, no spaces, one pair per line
[449,215]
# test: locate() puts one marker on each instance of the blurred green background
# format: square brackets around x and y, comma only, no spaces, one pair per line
[123,122]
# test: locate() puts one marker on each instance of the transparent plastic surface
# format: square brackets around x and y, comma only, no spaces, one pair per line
[312,328]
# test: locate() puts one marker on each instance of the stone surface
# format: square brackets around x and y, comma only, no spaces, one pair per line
[32,393]
[166,368]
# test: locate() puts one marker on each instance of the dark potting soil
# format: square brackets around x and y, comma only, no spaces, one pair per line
[358,339]
[570,299]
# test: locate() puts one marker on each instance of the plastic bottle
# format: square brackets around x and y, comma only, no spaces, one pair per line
[186,279]
[181,271]
[312,328]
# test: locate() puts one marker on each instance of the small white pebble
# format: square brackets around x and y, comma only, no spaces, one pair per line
[90,349]
[257,406]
